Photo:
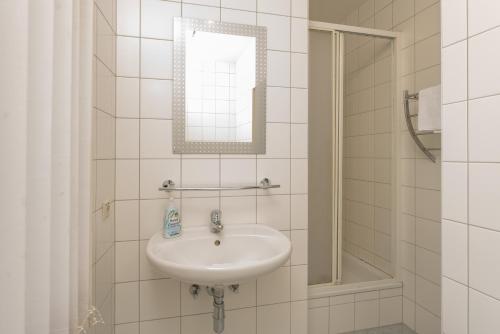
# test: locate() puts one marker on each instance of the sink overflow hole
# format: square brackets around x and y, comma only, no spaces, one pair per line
[217,242]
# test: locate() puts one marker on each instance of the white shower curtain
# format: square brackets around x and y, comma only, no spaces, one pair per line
[45,142]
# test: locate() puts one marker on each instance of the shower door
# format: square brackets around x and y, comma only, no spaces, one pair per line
[326,72]
[352,149]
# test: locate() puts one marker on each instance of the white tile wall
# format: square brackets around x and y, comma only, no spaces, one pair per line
[419,220]
[147,301]
[470,240]
[356,311]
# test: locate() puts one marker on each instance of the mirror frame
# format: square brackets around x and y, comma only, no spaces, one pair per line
[258,143]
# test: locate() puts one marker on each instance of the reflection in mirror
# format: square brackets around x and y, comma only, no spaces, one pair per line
[220,80]
[219,87]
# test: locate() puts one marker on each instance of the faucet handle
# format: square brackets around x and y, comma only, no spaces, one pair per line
[215,215]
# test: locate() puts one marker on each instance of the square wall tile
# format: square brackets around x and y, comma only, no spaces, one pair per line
[341,318]
[278,31]
[196,211]
[299,176]
[201,12]
[127,261]
[298,276]
[483,132]
[127,179]
[482,15]
[403,10]
[298,212]
[484,255]
[278,171]
[425,321]
[454,134]
[299,141]
[156,99]
[428,295]
[366,314]
[159,299]
[428,265]
[300,8]
[299,35]
[454,21]
[484,68]
[299,247]
[128,17]
[105,179]
[104,227]
[127,138]
[157,18]
[273,319]
[200,172]
[454,73]
[146,270]
[274,287]
[454,251]
[391,310]
[126,302]
[298,314]
[278,68]
[156,138]
[274,211]
[299,70]
[484,192]
[127,220]
[454,193]
[427,22]
[483,313]
[383,18]
[299,105]
[238,16]
[239,209]
[105,136]
[428,234]
[278,104]
[154,172]
[280,7]
[242,321]
[455,307]
[127,56]
[156,59]
[277,141]
[318,320]
[235,172]
[127,97]
[428,204]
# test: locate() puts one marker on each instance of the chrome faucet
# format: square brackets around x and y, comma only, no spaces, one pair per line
[215,221]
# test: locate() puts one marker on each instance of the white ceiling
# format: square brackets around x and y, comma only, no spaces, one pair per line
[332,10]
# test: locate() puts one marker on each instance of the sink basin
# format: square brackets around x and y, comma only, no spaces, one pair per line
[238,253]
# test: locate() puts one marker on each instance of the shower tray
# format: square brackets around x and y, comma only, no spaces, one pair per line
[392,329]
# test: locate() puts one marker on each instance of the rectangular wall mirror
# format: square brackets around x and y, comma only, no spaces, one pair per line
[219,87]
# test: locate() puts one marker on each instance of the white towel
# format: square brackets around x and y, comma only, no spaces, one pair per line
[429,109]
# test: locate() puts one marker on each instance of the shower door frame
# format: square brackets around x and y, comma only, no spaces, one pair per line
[337,31]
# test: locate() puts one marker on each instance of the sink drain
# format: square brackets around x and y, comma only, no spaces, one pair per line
[217,242]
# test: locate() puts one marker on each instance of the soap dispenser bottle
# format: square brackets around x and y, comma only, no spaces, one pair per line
[172,226]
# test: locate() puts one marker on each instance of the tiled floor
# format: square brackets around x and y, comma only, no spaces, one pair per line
[393,329]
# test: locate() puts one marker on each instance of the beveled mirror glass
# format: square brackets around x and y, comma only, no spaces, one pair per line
[219,87]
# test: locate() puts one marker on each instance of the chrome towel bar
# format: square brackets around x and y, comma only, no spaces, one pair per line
[414,134]
[169,185]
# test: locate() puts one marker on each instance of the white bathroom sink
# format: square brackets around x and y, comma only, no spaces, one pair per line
[238,253]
